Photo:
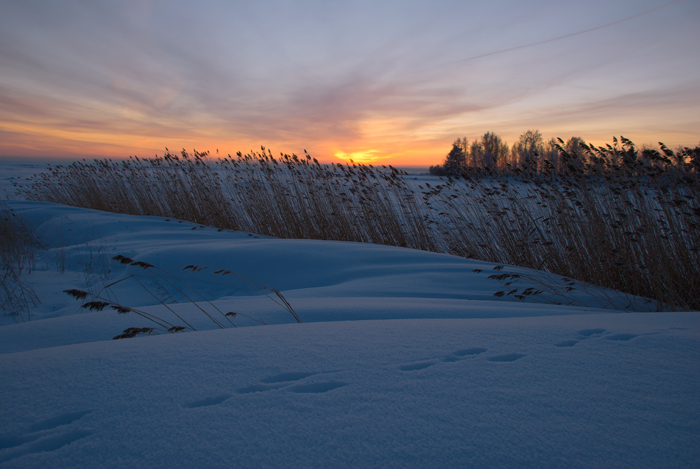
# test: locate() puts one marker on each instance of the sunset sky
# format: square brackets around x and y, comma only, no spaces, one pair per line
[389,82]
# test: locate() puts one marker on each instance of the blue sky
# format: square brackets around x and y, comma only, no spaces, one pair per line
[393,81]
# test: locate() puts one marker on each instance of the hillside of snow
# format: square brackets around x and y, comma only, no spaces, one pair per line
[403,358]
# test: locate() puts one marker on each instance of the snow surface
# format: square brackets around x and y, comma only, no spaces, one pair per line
[404,359]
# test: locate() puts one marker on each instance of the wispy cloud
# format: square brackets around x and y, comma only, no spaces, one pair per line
[385,78]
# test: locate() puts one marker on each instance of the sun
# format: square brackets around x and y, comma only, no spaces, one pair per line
[364,157]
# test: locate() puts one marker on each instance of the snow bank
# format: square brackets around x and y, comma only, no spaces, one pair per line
[576,391]
[451,375]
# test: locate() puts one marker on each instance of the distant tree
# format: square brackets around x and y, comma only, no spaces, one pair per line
[528,150]
[693,155]
[573,154]
[532,155]
[437,170]
[456,159]
[574,147]
[495,150]
[476,154]
[550,159]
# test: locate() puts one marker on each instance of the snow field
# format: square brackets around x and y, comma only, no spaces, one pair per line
[583,390]
[405,359]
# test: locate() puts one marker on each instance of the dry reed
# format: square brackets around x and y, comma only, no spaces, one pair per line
[17,249]
[612,219]
[103,299]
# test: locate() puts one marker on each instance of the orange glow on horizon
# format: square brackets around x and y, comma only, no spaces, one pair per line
[362,157]
[385,145]
[388,94]
[395,139]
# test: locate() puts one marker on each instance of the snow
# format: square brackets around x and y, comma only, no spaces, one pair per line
[404,359]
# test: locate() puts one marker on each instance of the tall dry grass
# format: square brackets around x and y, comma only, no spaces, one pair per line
[288,197]
[17,249]
[634,237]
[623,224]
[104,298]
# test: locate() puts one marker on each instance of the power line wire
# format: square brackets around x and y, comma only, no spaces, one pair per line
[666,5]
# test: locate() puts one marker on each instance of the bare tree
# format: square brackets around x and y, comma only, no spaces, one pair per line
[528,150]
[495,150]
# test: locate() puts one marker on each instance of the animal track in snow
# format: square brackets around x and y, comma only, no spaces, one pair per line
[285,377]
[42,437]
[591,332]
[469,351]
[460,355]
[621,337]
[509,357]
[450,359]
[54,442]
[65,419]
[453,357]
[12,441]
[317,387]
[286,381]
[260,388]
[275,382]
[583,335]
[40,428]
[416,366]
[206,401]
[594,334]
[567,343]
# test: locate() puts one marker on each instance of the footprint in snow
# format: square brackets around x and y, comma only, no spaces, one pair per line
[590,332]
[469,352]
[287,380]
[567,343]
[453,357]
[315,388]
[286,377]
[416,366]
[259,388]
[594,333]
[464,353]
[43,436]
[621,337]
[65,419]
[509,357]
[583,335]
[206,401]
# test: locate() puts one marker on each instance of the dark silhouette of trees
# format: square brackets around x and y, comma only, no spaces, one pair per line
[456,159]
[488,152]
[496,151]
[531,154]
[529,147]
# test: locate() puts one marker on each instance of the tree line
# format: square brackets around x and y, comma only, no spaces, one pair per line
[531,154]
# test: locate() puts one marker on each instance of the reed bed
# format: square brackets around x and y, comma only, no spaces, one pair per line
[17,256]
[287,197]
[636,238]
[630,229]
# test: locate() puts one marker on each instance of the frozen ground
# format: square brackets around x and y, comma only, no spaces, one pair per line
[404,358]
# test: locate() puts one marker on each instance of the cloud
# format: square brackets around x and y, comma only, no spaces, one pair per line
[337,78]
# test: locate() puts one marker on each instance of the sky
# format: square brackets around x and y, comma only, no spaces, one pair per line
[380,81]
